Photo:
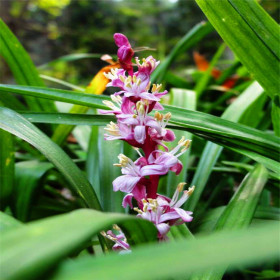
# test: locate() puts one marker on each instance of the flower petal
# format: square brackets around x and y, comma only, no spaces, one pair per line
[163,228]
[154,169]
[184,215]
[125,183]
[127,200]
[140,133]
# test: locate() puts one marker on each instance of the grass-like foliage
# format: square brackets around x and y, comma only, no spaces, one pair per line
[56,169]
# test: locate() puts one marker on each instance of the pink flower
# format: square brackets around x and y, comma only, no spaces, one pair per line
[159,133]
[161,162]
[164,212]
[133,174]
[125,52]
[119,239]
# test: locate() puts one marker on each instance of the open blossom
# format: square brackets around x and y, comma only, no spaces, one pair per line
[119,239]
[164,212]
[132,106]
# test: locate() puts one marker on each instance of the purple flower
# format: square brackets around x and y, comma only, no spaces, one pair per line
[119,239]
[133,174]
[161,162]
[125,52]
[164,212]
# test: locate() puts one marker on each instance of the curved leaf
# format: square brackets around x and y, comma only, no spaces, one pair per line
[19,126]
[177,260]
[248,29]
[53,239]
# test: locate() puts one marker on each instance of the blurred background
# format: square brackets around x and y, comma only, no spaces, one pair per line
[49,29]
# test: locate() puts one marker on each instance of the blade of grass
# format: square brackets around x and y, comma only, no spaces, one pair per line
[19,126]
[29,176]
[22,67]
[203,82]
[185,99]
[218,130]
[197,33]
[92,168]
[108,154]
[7,168]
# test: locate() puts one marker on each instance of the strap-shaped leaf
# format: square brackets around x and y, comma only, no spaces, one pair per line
[239,212]
[22,67]
[7,168]
[177,260]
[40,245]
[217,130]
[251,34]
[19,126]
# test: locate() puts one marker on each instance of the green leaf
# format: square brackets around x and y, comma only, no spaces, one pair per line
[177,260]
[92,161]
[275,115]
[240,210]
[251,34]
[108,155]
[71,57]
[29,179]
[185,99]
[54,238]
[244,103]
[66,118]
[19,126]
[7,168]
[22,67]
[209,127]
[7,222]
[197,33]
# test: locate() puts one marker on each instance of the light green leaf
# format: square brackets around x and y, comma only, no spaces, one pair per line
[177,260]
[245,102]
[240,210]
[40,245]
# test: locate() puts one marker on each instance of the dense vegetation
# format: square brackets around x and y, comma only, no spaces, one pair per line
[56,170]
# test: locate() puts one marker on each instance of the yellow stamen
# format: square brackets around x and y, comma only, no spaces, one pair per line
[167,116]
[138,210]
[180,186]
[190,190]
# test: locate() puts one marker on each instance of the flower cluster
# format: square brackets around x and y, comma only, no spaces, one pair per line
[133,106]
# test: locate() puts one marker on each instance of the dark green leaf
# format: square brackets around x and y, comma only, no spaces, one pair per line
[252,34]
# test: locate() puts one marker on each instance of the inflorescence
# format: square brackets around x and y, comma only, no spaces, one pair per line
[135,125]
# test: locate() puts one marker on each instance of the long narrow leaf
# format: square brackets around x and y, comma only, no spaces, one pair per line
[7,168]
[40,245]
[22,66]
[212,151]
[210,127]
[179,259]
[19,126]
[240,211]
[257,37]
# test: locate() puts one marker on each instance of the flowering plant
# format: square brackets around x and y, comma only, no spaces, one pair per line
[133,106]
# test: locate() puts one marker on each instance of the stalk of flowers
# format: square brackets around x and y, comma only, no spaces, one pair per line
[136,124]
